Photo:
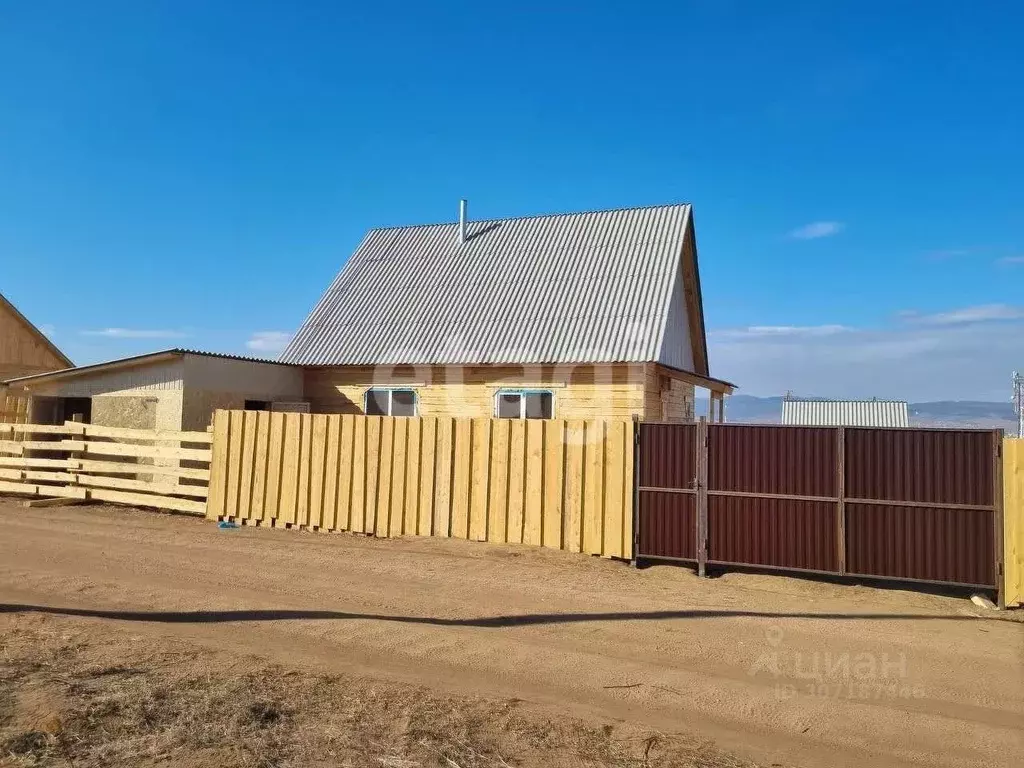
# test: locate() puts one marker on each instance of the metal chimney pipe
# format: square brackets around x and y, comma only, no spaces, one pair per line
[462,220]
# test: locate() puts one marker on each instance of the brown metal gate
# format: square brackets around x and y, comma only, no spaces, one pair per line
[909,504]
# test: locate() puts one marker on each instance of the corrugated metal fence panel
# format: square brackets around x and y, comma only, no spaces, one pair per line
[799,461]
[555,483]
[779,533]
[937,466]
[668,525]
[926,543]
[1013,521]
[669,454]
[914,530]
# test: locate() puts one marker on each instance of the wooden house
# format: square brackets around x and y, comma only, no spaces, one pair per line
[581,315]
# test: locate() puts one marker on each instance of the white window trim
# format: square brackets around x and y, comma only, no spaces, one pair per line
[391,391]
[522,399]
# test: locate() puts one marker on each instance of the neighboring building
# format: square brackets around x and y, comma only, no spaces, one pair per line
[24,349]
[173,389]
[845,413]
[582,315]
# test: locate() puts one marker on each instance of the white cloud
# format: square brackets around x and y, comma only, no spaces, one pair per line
[268,341]
[135,333]
[763,331]
[817,229]
[980,314]
[1011,260]
[962,360]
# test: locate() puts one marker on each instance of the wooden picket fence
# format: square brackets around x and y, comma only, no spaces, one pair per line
[108,464]
[554,483]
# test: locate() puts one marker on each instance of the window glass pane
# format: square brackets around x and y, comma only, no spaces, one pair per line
[377,402]
[538,405]
[508,406]
[403,402]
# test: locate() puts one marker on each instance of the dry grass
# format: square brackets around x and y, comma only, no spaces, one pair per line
[75,694]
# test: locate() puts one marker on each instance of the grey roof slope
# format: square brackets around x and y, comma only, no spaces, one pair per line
[846,413]
[567,288]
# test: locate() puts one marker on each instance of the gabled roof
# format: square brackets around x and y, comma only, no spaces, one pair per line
[846,413]
[35,331]
[592,287]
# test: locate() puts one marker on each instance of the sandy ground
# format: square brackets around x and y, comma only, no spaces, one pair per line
[769,668]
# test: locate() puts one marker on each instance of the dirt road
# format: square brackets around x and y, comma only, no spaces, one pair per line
[771,668]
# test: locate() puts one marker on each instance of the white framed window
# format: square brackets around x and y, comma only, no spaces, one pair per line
[387,401]
[524,404]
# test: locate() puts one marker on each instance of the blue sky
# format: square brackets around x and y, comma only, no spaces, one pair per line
[194,173]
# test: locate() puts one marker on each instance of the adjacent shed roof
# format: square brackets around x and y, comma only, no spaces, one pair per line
[599,286]
[127,362]
[846,413]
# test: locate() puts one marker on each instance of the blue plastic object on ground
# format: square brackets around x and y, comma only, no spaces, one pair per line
[226,524]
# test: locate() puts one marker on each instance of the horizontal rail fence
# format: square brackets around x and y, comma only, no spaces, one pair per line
[913,504]
[554,483]
[162,469]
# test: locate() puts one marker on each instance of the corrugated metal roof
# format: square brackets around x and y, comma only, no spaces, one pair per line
[846,413]
[578,287]
[148,357]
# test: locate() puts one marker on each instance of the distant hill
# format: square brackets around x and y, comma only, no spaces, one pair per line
[943,413]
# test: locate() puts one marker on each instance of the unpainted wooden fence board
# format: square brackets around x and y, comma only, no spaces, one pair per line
[461,478]
[593,486]
[573,495]
[554,457]
[413,460]
[615,506]
[428,469]
[516,481]
[444,447]
[385,464]
[497,502]
[345,468]
[533,507]
[480,471]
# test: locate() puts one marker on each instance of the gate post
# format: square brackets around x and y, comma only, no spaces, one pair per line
[841,500]
[997,517]
[635,557]
[702,497]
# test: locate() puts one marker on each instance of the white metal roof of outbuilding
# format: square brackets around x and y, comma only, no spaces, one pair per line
[846,413]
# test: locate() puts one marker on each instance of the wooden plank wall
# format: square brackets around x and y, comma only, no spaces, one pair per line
[553,483]
[1013,522]
[13,410]
[148,468]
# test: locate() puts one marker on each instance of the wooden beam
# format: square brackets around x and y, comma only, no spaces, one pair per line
[95,430]
[138,451]
[715,385]
[57,502]
[117,468]
[170,489]
[146,500]
[38,429]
